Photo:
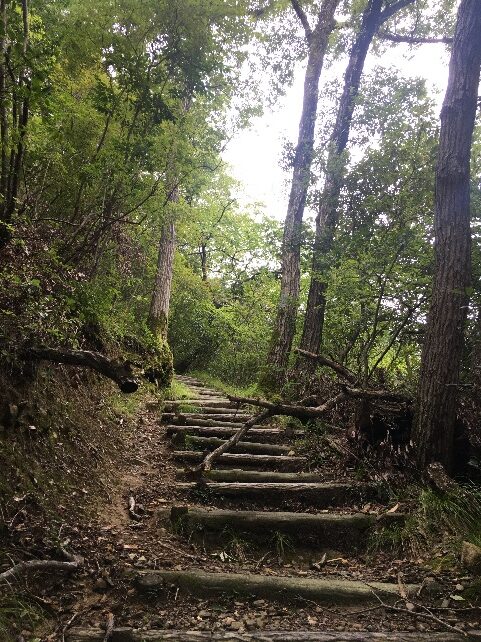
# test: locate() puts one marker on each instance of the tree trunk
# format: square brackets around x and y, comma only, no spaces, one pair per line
[285,324]
[159,307]
[327,216]
[443,344]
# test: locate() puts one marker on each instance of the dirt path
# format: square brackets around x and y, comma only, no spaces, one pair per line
[201,558]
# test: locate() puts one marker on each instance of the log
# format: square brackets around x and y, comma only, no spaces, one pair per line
[278,588]
[212,423]
[285,462]
[204,411]
[80,634]
[119,372]
[239,475]
[201,403]
[198,419]
[344,532]
[213,443]
[302,412]
[319,494]
[338,368]
[266,434]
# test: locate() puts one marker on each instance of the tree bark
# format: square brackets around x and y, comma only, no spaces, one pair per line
[327,217]
[284,327]
[159,306]
[443,344]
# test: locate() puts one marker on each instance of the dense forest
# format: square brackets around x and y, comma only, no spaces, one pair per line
[144,293]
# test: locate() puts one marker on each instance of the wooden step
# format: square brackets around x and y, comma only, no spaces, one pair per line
[201,419]
[206,391]
[214,410]
[126,634]
[205,420]
[280,588]
[264,434]
[200,403]
[321,494]
[240,475]
[282,462]
[344,532]
[210,443]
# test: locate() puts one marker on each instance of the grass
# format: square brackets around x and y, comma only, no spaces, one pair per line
[178,391]
[282,543]
[436,527]
[15,613]
[229,389]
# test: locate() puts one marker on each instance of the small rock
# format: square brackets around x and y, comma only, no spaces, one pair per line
[431,587]
[236,626]
[100,584]
[410,607]
[471,557]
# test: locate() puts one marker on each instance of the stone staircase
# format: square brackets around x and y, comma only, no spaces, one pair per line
[261,492]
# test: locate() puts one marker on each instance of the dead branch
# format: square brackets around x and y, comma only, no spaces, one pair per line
[132,512]
[421,614]
[302,412]
[74,562]
[206,464]
[380,395]
[119,372]
[338,368]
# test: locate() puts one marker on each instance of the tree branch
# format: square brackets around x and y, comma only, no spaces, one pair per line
[413,40]
[382,395]
[390,10]
[206,463]
[302,412]
[303,18]
[121,373]
[74,562]
[338,368]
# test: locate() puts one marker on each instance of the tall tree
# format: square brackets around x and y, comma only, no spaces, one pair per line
[284,327]
[443,343]
[373,17]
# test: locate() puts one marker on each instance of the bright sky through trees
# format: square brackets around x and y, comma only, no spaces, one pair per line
[255,154]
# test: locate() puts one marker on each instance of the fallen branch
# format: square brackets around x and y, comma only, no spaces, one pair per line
[74,562]
[119,372]
[376,395]
[302,412]
[338,368]
[206,464]
[132,512]
[423,615]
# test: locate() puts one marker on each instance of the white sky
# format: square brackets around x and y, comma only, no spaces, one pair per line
[254,154]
